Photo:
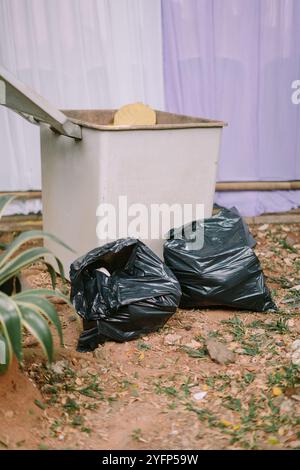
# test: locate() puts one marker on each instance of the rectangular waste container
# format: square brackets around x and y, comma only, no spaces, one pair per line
[87,161]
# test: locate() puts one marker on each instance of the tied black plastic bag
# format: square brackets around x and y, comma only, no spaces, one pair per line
[221,271]
[122,290]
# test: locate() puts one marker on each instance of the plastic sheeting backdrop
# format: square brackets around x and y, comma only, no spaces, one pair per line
[236,60]
[213,49]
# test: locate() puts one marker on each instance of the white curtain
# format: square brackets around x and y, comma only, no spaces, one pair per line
[235,60]
[77,54]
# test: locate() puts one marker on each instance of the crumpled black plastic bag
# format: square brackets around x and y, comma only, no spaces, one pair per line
[225,271]
[138,297]
[238,221]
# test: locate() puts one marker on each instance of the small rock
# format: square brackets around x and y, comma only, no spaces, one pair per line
[193,344]
[288,262]
[199,396]
[59,367]
[219,352]
[294,444]
[278,400]
[296,357]
[286,407]
[295,345]
[172,339]
[72,318]
[295,287]
[9,414]
[98,353]
[260,331]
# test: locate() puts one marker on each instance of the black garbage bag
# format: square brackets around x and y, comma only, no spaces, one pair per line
[122,290]
[224,270]
[238,221]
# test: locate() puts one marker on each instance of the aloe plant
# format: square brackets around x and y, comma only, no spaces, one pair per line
[31,309]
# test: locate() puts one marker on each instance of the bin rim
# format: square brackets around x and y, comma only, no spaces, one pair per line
[186,122]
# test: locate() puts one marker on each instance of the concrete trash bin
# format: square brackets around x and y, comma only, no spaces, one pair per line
[87,161]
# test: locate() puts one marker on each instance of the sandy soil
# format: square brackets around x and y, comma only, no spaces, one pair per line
[141,394]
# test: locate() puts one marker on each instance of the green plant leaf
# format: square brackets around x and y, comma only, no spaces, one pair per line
[42,293]
[61,270]
[24,259]
[52,274]
[11,325]
[39,328]
[25,237]
[4,201]
[4,354]
[44,307]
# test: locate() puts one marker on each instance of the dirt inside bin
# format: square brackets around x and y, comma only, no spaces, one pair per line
[143,394]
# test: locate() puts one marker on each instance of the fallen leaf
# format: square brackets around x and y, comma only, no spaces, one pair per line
[225,423]
[296,397]
[273,441]
[290,391]
[276,391]
[236,427]
[264,227]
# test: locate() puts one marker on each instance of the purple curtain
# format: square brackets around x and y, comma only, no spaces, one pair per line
[235,60]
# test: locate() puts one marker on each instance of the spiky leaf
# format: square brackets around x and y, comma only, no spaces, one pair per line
[4,201]
[11,325]
[28,236]
[4,354]
[24,259]
[45,308]
[39,328]
[42,293]
[52,274]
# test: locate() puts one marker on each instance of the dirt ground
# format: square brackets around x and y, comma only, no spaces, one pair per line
[144,394]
